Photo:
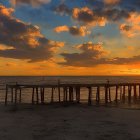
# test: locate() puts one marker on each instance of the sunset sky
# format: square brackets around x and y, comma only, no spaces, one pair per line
[69,37]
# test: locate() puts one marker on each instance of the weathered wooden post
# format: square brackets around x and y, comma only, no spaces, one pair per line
[78,94]
[59,91]
[37,96]
[109,94]
[71,94]
[42,94]
[139,91]
[106,94]
[123,95]
[116,97]
[120,93]
[135,93]
[52,95]
[66,93]
[129,94]
[89,95]
[12,95]
[98,94]
[59,94]
[6,94]
[33,94]
[15,95]
[20,94]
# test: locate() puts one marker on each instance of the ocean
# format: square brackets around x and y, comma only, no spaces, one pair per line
[26,94]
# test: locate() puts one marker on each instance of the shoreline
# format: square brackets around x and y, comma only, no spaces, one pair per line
[76,122]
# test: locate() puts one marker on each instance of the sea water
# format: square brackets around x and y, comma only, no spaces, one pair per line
[26,93]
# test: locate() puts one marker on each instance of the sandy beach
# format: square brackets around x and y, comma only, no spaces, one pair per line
[73,122]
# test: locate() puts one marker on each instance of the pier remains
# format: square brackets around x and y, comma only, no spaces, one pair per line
[124,92]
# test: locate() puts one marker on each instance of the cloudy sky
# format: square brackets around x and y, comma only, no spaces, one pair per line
[69,37]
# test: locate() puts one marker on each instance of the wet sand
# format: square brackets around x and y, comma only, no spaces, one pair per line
[73,122]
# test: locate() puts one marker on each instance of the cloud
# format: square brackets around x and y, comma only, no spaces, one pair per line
[87,16]
[126,30]
[111,2]
[22,40]
[120,4]
[30,2]
[132,26]
[60,29]
[81,31]
[99,17]
[62,9]
[92,55]
[10,64]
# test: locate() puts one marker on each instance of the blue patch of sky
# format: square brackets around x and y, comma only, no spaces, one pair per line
[5,3]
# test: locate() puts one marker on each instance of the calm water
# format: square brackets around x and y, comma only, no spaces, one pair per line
[26,96]
[68,79]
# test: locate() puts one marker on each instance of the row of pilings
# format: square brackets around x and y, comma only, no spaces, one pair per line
[72,93]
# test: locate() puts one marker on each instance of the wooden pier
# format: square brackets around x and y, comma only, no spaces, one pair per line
[124,92]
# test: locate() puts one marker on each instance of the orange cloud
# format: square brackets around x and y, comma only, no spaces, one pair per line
[3,47]
[100,17]
[88,17]
[31,2]
[111,2]
[127,30]
[23,40]
[81,31]
[60,29]
[132,26]
[5,11]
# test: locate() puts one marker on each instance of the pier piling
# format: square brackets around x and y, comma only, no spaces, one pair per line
[89,95]
[98,94]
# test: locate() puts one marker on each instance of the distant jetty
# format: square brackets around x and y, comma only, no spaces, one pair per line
[124,92]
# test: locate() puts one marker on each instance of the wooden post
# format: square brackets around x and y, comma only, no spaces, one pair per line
[98,94]
[116,97]
[12,95]
[89,95]
[64,94]
[139,91]
[109,94]
[120,93]
[59,93]
[106,94]
[129,94]
[71,94]
[52,96]
[42,95]
[6,94]
[33,94]
[15,95]
[135,93]
[123,95]
[37,96]
[78,94]
[20,94]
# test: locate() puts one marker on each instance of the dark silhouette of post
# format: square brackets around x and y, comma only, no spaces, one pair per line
[89,95]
